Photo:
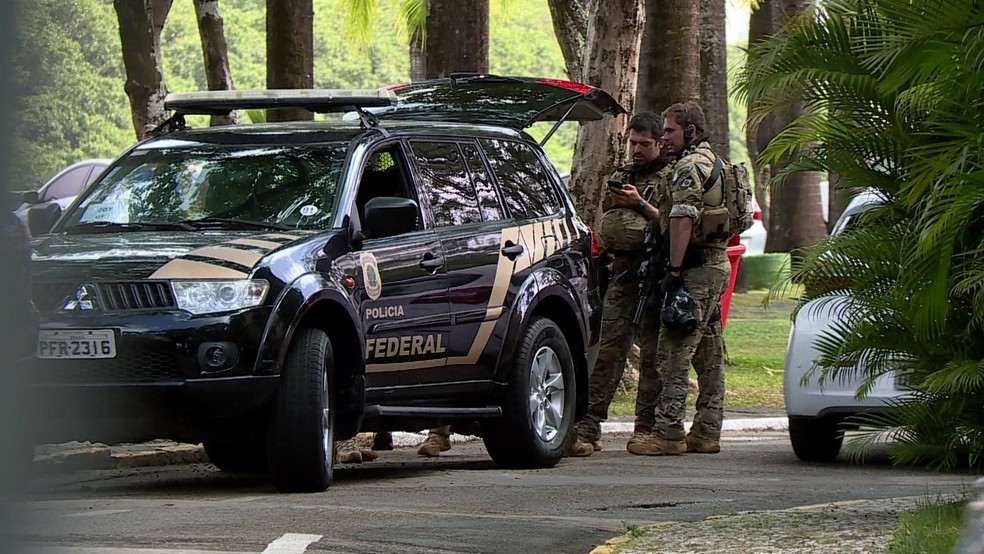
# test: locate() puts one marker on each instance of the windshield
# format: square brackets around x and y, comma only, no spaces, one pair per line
[228,186]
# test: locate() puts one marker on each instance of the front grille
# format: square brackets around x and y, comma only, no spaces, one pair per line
[121,296]
[126,367]
[142,295]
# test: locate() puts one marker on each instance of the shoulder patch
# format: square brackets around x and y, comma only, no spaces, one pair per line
[686,183]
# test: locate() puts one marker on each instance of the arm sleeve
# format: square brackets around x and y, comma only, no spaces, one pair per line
[686,189]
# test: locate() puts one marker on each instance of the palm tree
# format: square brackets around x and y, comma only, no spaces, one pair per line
[891,91]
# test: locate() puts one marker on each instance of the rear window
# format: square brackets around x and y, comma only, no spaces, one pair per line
[290,185]
[525,185]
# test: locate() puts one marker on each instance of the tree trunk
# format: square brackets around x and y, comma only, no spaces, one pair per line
[610,63]
[714,74]
[797,217]
[669,68]
[215,52]
[418,64]
[570,23]
[290,51]
[762,24]
[457,37]
[141,22]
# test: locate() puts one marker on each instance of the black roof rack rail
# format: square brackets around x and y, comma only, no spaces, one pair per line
[219,102]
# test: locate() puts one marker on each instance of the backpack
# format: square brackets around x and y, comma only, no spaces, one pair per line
[736,198]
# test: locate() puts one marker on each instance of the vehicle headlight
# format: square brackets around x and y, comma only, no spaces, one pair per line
[206,297]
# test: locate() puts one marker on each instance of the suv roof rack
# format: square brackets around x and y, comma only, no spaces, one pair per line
[221,102]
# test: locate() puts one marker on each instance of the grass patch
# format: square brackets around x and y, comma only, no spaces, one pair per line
[755,339]
[932,529]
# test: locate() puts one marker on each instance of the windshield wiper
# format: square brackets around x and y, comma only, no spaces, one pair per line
[226,222]
[110,226]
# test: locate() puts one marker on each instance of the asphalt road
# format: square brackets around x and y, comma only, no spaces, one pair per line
[461,502]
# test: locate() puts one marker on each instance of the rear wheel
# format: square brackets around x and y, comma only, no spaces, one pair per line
[816,439]
[301,439]
[538,411]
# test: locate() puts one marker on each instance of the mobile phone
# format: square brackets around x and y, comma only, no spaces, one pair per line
[617,185]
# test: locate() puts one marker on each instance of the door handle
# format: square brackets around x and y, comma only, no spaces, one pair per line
[512,251]
[431,263]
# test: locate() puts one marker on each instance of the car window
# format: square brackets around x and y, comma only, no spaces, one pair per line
[524,182]
[487,198]
[292,185]
[444,181]
[96,172]
[69,184]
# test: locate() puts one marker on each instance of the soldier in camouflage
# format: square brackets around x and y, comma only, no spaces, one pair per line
[702,267]
[622,229]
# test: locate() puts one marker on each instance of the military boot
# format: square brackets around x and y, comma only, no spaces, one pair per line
[655,446]
[579,448]
[348,452]
[702,445]
[354,451]
[596,446]
[433,445]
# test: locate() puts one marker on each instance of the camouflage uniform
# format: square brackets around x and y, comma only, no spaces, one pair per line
[622,232]
[706,282]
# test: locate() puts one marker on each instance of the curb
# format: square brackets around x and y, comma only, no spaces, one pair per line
[118,457]
[77,456]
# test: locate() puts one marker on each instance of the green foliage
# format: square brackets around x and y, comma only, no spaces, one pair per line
[72,74]
[892,89]
[932,529]
[70,77]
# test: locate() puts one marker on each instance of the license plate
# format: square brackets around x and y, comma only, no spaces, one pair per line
[86,344]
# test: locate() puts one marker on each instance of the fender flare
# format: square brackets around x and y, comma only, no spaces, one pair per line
[297,302]
[546,292]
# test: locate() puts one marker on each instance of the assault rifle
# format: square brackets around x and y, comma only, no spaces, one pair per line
[652,269]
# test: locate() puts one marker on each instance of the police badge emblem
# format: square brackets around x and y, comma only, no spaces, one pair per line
[370,275]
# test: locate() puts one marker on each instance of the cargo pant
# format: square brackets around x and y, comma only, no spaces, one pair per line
[704,348]
[617,335]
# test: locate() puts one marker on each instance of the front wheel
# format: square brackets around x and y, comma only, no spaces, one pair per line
[538,410]
[301,440]
[816,439]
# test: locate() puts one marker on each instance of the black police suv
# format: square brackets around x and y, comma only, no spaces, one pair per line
[267,289]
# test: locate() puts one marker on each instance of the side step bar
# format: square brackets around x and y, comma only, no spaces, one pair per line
[428,411]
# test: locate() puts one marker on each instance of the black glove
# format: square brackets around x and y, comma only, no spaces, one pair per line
[672,283]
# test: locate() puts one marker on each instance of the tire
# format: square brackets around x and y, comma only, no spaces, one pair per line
[538,409]
[301,438]
[816,439]
[237,456]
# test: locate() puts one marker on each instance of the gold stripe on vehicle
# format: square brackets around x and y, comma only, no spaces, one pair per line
[268,245]
[554,239]
[405,366]
[523,237]
[235,255]
[504,270]
[279,236]
[189,269]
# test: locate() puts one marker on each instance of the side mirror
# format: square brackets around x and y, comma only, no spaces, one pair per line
[30,197]
[40,219]
[386,216]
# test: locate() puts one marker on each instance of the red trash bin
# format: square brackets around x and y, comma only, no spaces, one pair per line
[734,256]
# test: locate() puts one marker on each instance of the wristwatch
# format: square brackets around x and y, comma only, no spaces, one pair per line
[640,207]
